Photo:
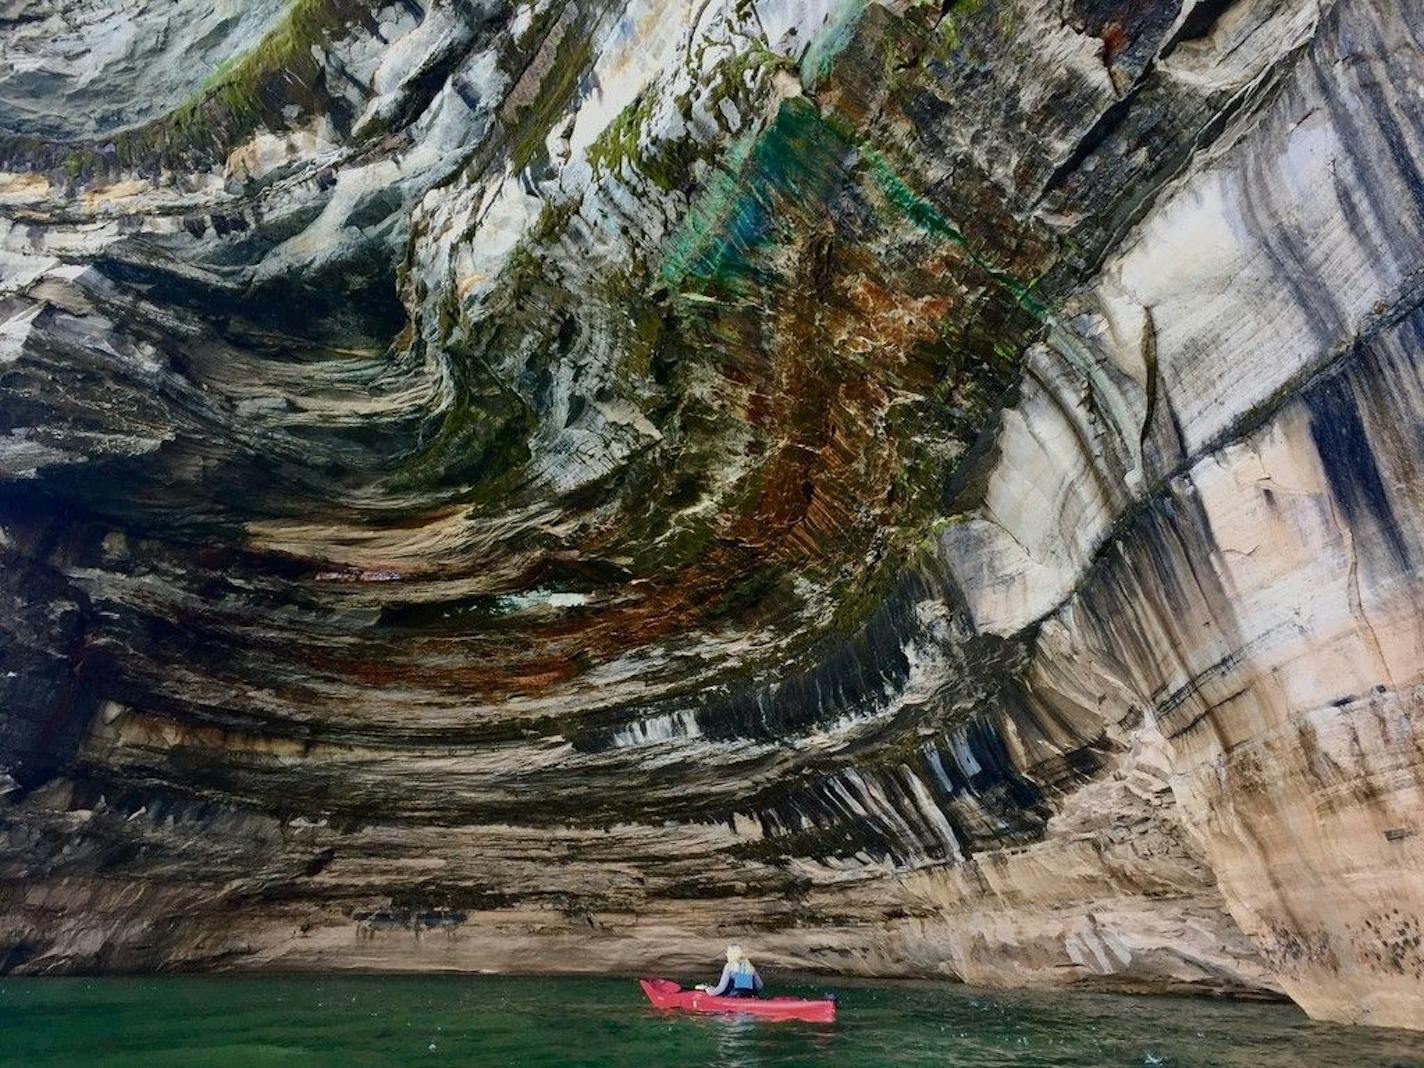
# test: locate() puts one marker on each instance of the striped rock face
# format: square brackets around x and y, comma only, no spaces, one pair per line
[561,485]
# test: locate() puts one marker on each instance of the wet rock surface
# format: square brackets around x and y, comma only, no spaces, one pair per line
[923,490]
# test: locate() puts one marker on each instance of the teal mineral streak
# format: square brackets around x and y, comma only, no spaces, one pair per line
[833,39]
[783,175]
[754,199]
[929,219]
[820,56]
[708,216]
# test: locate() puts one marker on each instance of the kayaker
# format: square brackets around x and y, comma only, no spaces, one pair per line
[739,977]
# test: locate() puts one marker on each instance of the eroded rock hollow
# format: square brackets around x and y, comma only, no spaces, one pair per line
[922,489]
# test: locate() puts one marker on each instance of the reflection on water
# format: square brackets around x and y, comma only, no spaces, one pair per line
[745,1042]
[354,1022]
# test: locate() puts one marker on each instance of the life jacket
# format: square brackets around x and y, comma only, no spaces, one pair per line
[744,978]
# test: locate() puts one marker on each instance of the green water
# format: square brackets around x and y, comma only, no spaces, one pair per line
[350,1022]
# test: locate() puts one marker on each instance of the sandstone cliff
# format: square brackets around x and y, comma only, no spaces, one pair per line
[926,490]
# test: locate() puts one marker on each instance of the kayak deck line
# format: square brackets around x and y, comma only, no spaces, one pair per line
[665,994]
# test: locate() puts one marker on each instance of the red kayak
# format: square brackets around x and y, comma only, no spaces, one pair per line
[665,994]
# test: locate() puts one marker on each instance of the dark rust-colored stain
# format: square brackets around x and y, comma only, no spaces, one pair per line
[1114,38]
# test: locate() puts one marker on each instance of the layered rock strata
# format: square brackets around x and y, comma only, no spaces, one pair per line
[923,490]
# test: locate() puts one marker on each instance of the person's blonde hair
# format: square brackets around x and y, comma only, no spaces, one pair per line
[735,954]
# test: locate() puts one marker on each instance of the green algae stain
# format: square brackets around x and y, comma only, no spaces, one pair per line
[617,145]
[947,32]
[531,125]
[80,162]
[251,89]
[480,442]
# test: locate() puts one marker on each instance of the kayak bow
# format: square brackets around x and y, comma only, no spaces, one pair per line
[665,994]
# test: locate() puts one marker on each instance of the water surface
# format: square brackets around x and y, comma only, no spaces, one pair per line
[430,1021]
